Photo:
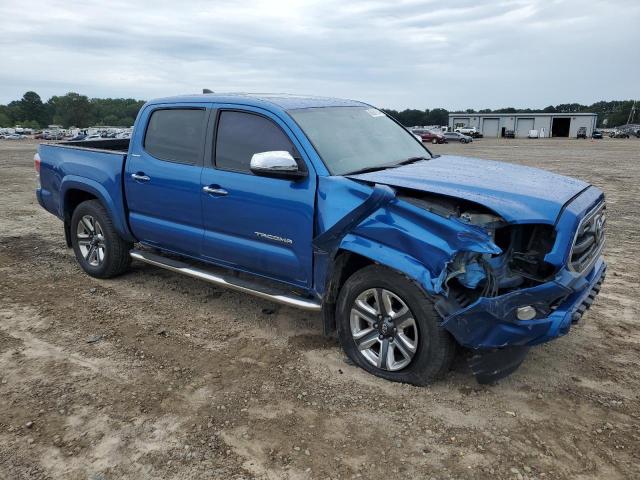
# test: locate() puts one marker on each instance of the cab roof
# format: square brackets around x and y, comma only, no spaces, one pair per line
[281,100]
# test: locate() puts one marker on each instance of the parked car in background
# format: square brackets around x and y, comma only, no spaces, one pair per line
[582,132]
[509,134]
[533,134]
[53,135]
[476,134]
[416,136]
[466,130]
[618,134]
[430,136]
[597,134]
[457,137]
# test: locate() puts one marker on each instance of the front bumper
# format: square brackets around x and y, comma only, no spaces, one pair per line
[491,323]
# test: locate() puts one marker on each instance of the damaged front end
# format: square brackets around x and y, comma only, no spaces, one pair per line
[500,304]
[500,286]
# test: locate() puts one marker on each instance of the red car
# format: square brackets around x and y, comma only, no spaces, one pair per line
[430,136]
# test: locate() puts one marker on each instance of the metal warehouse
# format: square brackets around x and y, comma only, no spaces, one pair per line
[547,124]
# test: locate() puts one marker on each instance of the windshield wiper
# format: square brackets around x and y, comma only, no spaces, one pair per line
[387,165]
[369,169]
[411,160]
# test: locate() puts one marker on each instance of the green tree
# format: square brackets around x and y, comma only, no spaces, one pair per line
[507,110]
[569,108]
[126,121]
[110,120]
[30,124]
[438,116]
[32,108]
[15,113]
[113,111]
[71,109]
[5,121]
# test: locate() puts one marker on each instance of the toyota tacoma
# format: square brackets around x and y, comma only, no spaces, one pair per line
[332,206]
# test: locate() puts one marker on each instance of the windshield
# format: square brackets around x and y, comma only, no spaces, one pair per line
[349,139]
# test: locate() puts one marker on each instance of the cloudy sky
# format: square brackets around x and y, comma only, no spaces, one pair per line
[403,53]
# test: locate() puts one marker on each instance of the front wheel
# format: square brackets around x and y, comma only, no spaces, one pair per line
[434,141]
[99,249]
[389,327]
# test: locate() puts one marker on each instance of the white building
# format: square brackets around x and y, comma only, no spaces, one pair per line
[554,124]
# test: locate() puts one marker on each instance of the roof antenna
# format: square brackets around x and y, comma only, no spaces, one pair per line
[206,90]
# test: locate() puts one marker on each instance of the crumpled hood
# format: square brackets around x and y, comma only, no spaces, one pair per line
[518,194]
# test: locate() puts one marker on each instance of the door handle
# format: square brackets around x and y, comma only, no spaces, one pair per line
[140,177]
[211,190]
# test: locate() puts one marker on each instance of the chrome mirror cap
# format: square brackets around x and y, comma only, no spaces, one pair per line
[278,163]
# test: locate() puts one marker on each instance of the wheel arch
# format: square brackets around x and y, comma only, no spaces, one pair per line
[345,263]
[356,253]
[72,198]
[74,191]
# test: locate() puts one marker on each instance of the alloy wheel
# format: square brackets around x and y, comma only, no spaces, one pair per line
[91,241]
[384,329]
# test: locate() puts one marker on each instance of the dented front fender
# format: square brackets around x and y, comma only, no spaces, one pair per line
[374,223]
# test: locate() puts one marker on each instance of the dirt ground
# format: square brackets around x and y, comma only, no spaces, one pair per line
[153,375]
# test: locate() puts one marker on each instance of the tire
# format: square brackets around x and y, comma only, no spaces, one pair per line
[428,348]
[434,141]
[98,247]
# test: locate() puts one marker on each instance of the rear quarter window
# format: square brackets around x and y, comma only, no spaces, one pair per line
[176,135]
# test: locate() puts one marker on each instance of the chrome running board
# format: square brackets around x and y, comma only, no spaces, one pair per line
[234,283]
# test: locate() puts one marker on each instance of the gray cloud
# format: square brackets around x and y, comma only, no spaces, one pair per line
[408,53]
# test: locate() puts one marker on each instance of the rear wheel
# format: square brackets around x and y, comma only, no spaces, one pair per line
[389,327]
[98,247]
[434,141]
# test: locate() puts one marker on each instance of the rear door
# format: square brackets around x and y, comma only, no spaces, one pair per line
[257,224]
[162,176]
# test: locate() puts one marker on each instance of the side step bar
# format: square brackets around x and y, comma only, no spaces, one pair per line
[226,281]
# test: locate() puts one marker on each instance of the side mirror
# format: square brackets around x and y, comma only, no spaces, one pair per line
[278,164]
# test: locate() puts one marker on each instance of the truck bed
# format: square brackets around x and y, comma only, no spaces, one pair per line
[70,166]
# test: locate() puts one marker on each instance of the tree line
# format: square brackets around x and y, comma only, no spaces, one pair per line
[78,110]
[610,114]
[70,110]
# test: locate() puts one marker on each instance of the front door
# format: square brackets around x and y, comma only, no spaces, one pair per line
[162,177]
[252,223]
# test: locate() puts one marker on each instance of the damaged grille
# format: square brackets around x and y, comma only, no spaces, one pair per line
[589,239]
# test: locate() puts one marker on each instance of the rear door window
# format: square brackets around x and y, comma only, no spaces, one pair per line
[177,135]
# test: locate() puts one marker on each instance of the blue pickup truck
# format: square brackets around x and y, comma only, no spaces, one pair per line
[332,206]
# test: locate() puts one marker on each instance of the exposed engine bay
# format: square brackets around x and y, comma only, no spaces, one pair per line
[473,275]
